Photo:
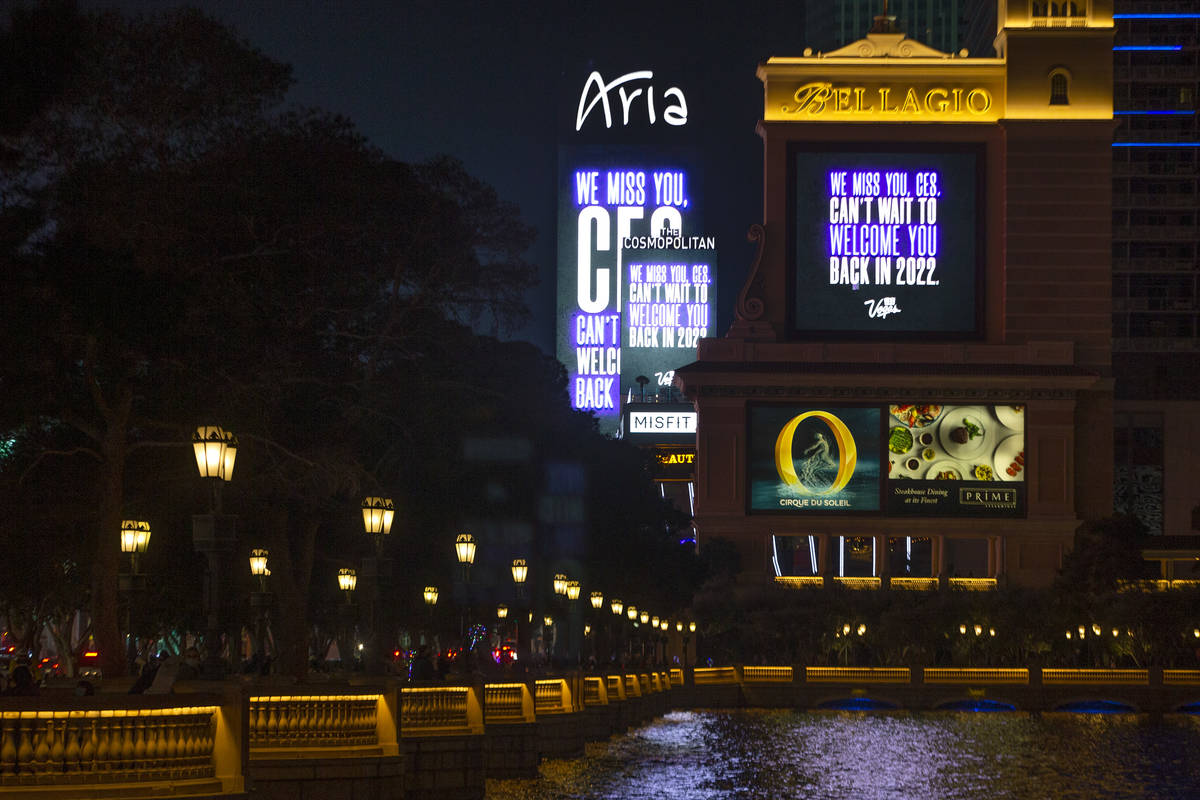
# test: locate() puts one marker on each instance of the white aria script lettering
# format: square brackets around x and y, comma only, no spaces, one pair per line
[595,90]
[879,309]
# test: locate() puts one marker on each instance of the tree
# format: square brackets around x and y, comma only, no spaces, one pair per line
[184,250]
[1105,552]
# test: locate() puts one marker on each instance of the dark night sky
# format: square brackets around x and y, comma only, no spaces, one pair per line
[495,85]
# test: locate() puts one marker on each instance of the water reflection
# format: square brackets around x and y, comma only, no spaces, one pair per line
[718,755]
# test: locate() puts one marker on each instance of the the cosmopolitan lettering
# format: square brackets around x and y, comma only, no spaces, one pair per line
[632,90]
[883,231]
[822,97]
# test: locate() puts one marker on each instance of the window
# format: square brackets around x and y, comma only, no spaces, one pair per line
[1138,475]
[1059,86]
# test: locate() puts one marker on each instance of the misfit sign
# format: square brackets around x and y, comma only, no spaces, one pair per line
[660,423]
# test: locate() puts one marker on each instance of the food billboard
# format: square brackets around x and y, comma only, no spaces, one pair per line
[903,459]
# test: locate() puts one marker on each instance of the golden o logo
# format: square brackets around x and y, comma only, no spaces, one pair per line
[847,452]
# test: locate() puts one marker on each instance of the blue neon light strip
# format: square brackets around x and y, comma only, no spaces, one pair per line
[1155,47]
[1156,16]
[1156,144]
[1147,113]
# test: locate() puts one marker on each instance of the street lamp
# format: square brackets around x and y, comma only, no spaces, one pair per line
[632,613]
[464,550]
[135,537]
[431,596]
[216,451]
[573,590]
[347,580]
[560,584]
[597,600]
[501,611]
[215,535]
[258,566]
[260,601]
[617,606]
[378,513]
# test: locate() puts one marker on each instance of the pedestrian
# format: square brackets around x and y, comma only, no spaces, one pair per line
[22,683]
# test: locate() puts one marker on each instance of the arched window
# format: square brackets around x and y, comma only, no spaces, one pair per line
[1039,9]
[1072,9]
[1059,88]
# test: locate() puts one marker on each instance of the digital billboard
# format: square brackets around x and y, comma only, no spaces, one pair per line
[925,459]
[955,460]
[636,272]
[886,241]
[804,459]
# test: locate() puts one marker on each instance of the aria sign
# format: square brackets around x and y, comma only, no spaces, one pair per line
[630,89]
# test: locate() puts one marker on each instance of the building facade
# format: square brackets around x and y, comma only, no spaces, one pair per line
[1156,267]
[918,383]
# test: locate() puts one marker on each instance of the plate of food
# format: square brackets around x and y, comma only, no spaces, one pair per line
[1009,459]
[944,471]
[1011,417]
[963,433]
[914,416]
[900,440]
[982,472]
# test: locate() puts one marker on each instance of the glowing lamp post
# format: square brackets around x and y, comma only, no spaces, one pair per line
[520,574]
[135,537]
[501,612]
[258,566]
[431,597]
[560,584]
[377,516]
[597,599]
[617,606]
[464,551]
[216,452]
[215,535]
[573,590]
[520,571]
[347,580]
[378,513]
[260,602]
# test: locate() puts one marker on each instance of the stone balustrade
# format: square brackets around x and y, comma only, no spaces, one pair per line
[316,720]
[112,745]
[445,740]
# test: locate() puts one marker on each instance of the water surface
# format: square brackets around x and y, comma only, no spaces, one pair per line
[721,755]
